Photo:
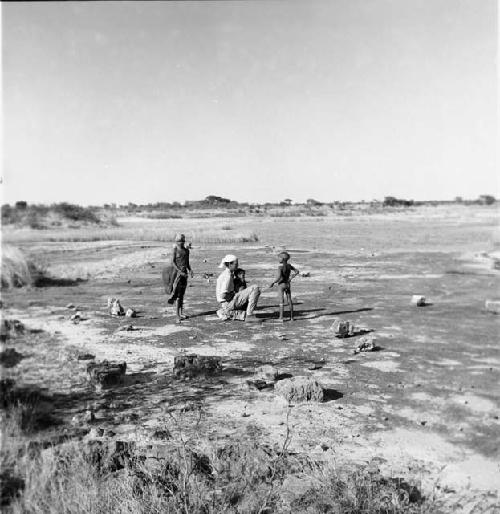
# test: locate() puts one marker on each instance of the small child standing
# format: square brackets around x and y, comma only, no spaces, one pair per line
[181,266]
[283,280]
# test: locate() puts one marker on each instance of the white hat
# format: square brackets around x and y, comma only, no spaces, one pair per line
[228,258]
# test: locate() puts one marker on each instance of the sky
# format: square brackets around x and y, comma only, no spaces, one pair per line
[251,100]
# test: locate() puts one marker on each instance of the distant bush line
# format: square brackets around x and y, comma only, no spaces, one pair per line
[65,214]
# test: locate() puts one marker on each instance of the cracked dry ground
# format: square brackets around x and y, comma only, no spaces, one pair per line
[427,403]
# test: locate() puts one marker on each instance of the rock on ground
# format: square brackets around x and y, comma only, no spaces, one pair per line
[193,364]
[418,300]
[366,344]
[106,374]
[342,328]
[268,373]
[493,306]
[10,328]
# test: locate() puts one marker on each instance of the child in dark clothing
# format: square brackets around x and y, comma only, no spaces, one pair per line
[286,272]
[239,280]
[180,263]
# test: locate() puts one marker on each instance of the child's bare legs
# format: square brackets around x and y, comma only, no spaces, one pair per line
[281,301]
[290,303]
[180,308]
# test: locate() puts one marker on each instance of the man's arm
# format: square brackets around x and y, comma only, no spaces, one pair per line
[188,267]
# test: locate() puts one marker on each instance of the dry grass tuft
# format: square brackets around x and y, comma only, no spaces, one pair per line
[300,389]
[194,475]
[17,270]
[141,233]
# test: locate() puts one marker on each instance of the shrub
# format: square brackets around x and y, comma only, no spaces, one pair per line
[76,212]
[486,200]
[391,201]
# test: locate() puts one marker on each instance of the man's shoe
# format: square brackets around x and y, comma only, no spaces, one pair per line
[222,314]
[252,318]
[239,315]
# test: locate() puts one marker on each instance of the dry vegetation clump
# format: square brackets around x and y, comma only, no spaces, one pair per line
[141,233]
[194,475]
[56,215]
[17,269]
[300,389]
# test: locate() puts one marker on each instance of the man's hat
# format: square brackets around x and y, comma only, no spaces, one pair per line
[227,259]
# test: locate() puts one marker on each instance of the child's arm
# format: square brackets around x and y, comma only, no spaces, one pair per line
[295,271]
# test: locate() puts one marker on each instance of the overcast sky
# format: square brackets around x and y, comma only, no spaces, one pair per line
[252,100]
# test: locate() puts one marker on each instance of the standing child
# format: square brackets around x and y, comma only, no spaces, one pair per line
[181,267]
[283,280]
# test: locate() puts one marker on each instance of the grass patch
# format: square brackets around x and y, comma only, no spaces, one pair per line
[86,234]
[194,474]
[17,269]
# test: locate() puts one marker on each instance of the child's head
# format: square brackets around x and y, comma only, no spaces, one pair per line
[180,239]
[283,256]
[240,273]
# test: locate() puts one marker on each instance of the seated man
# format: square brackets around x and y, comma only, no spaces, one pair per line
[235,304]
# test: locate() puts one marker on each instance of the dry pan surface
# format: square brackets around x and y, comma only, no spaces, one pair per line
[426,403]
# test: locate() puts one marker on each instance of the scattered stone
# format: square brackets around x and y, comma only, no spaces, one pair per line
[342,328]
[316,365]
[259,384]
[85,357]
[89,416]
[366,344]
[10,328]
[70,306]
[493,306]
[131,313]
[161,434]
[207,276]
[305,274]
[96,432]
[10,358]
[193,364]
[300,389]
[268,373]
[76,317]
[128,328]
[115,309]
[106,374]
[418,300]
[423,423]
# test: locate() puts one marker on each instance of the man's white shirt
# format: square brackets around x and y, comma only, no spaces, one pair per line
[225,284]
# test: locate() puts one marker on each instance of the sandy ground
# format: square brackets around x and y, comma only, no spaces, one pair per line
[426,405]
